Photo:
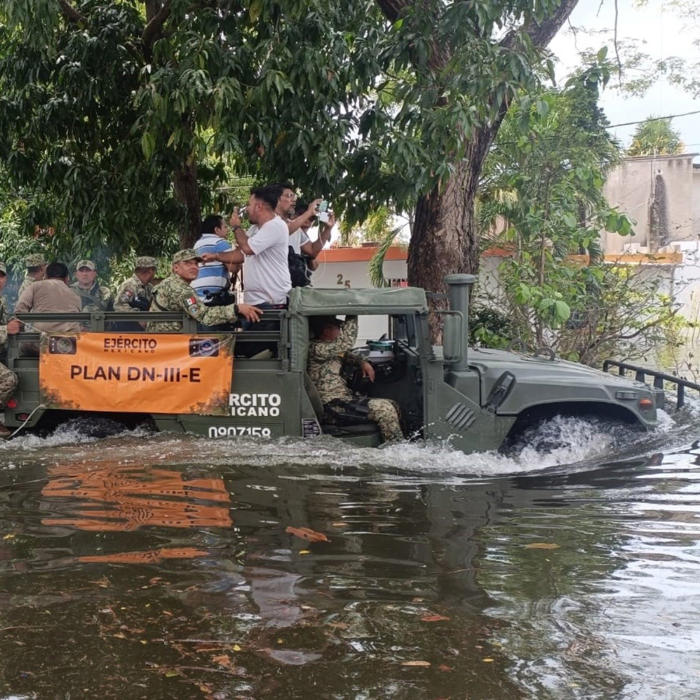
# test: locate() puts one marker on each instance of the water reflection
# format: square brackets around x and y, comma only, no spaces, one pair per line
[427,585]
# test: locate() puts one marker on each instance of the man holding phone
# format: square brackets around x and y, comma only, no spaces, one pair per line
[264,254]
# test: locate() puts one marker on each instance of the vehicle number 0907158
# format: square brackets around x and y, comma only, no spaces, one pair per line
[239,431]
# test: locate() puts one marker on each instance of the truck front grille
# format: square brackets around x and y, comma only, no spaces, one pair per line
[460,416]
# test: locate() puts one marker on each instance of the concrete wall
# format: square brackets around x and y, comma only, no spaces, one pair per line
[632,186]
[696,201]
[347,267]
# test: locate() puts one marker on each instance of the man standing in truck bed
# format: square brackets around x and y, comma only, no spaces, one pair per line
[136,293]
[333,344]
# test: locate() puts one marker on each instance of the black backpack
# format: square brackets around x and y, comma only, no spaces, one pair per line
[298,269]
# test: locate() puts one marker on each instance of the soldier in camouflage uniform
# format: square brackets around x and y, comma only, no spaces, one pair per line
[136,293]
[93,296]
[175,294]
[8,379]
[327,352]
[36,270]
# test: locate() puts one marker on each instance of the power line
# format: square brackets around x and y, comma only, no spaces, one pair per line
[653,119]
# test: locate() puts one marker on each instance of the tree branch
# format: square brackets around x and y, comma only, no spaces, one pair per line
[391,9]
[70,13]
[542,34]
[153,29]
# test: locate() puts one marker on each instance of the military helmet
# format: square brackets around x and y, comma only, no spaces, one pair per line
[145,261]
[186,254]
[34,260]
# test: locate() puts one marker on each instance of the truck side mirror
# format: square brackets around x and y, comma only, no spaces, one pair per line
[453,340]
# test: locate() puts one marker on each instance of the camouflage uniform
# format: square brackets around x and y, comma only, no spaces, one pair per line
[97,298]
[8,379]
[132,292]
[134,295]
[33,260]
[174,294]
[325,362]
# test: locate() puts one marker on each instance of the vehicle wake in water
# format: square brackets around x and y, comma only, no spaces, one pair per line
[558,442]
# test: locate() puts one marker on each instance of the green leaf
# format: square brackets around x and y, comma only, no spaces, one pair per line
[569,219]
[561,311]
[255,10]
[148,144]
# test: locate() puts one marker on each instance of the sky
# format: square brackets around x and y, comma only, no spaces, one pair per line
[661,33]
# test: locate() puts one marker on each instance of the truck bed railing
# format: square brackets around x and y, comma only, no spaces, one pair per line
[659,378]
[105,321]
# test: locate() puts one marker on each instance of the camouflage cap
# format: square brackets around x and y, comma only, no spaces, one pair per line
[86,263]
[34,260]
[3,268]
[145,261]
[186,254]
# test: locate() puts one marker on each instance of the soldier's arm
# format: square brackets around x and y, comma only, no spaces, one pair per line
[348,333]
[124,297]
[217,315]
[322,350]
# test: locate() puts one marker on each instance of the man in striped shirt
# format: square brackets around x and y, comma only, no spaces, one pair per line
[213,278]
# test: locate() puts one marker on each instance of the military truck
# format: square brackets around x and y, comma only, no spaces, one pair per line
[223,385]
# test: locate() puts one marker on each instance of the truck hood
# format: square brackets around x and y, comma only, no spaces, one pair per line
[542,380]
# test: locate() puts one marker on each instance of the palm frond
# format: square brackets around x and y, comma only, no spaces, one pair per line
[375,267]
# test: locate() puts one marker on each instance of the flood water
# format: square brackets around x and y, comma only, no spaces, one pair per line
[155,566]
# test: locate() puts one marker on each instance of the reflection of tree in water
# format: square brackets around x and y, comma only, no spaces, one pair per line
[552,554]
[395,584]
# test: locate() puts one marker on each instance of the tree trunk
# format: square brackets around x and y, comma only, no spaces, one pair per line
[445,238]
[187,192]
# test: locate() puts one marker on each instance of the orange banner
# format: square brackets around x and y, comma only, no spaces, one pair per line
[137,373]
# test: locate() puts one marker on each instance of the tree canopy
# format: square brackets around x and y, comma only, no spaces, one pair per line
[655,137]
[126,117]
[542,200]
[120,122]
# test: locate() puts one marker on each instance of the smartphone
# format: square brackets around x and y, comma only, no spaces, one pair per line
[323,212]
[242,212]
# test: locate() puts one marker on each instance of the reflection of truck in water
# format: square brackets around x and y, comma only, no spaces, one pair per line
[478,399]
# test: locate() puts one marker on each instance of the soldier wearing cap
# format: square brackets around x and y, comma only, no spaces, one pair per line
[8,379]
[36,270]
[93,296]
[175,294]
[136,293]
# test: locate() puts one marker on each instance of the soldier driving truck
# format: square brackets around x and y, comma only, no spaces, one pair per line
[182,376]
[332,347]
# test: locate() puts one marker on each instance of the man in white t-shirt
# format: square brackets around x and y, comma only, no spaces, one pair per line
[300,241]
[299,218]
[264,256]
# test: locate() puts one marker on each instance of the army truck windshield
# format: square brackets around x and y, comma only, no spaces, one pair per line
[255,384]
